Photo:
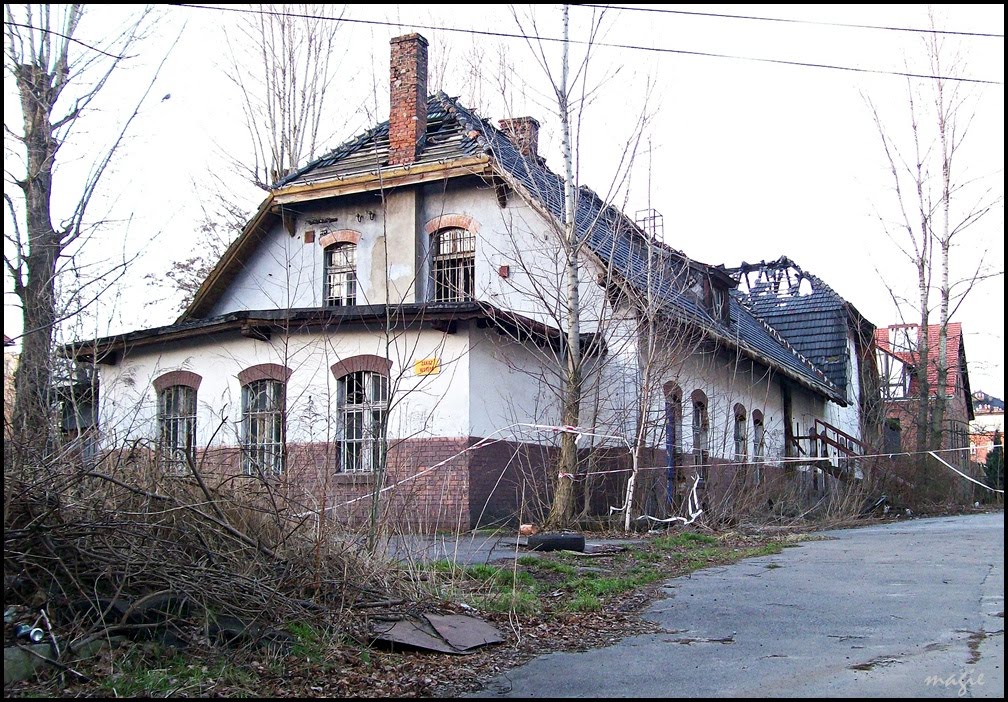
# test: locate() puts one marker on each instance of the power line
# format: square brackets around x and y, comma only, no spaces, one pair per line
[790,21]
[632,47]
[64,36]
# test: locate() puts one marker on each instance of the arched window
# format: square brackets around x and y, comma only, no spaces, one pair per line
[453,273]
[701,434]
[759,440]
[341,275]
[363,410]
[176,419]
[740,435]
[264,398]
[673,418]
[177,426]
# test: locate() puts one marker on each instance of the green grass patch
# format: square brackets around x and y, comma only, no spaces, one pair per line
[519,601]
[583,602]
[309,643]
[484,574]
[555,566]
[143,676]
[689,539]
[764,550]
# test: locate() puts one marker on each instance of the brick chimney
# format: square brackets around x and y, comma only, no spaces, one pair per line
[408,111]
[524,132]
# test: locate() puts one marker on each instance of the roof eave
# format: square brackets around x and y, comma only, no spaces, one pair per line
[218,277]
[381,179]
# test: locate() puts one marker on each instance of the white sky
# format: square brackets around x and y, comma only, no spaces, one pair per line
[745,160]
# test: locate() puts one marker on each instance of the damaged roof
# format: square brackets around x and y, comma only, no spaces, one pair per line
[806,311]
[457,135]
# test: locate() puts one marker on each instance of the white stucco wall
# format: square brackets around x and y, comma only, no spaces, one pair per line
[393,254]
[511,386]
[723,378]
[848,419]
[421,406]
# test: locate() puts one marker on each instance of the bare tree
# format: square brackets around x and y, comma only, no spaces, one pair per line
[282,60]
[937,205]
[562,507]
[58,77]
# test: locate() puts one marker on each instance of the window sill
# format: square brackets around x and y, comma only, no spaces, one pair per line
[356,478]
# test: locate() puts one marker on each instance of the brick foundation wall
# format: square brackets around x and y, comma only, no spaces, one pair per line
[473,485]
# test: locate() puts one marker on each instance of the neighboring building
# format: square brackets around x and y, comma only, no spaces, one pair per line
[832,334]
[988,420]
[897,349]
[398,304]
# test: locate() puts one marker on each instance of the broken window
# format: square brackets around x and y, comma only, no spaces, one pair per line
[759,444]
[79,419]
[701,451]
[741,450]
[262,427]
[363,410]
[176,427]
[341,275]
[719,304]
[453,268]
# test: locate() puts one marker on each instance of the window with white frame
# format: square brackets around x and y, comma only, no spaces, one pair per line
[363,412]
[263,427]
[341,275]
[176,427]
[453,273]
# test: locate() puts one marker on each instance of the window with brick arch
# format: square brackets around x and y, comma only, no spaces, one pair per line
[341,275]
[176,427]
[263,427]
[701,436]
[759,443]
[363,417]
[453,271]
[741,435]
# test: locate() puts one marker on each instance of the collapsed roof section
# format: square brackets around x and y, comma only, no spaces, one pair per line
[806,311]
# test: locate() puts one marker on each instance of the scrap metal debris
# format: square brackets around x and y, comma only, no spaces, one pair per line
[442,633]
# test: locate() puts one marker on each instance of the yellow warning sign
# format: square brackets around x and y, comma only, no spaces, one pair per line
[427,366]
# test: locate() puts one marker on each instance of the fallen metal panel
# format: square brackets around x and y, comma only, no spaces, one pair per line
[464,632]
[451,633]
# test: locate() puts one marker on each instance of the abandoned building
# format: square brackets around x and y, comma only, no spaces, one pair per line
[392,313]
[898,354]
[831,333]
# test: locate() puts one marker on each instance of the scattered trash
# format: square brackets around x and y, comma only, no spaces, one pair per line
[29,633]
[449,633]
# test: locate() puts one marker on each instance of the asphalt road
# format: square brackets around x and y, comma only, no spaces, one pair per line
[909,609]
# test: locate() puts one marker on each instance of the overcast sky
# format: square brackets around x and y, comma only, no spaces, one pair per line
[745,159]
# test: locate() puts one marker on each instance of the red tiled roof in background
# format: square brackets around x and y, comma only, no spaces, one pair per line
[952,345]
